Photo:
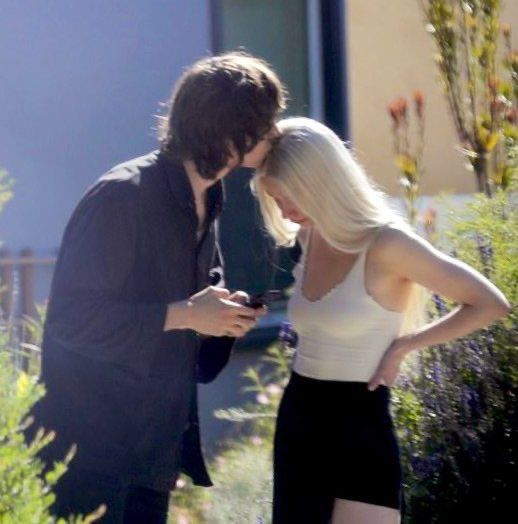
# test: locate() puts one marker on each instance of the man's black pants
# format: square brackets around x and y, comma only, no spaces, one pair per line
[83,492]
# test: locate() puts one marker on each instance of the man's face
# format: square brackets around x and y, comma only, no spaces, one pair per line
[254,158]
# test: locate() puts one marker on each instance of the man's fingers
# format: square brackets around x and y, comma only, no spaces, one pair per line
[244,323]
[238,310]
[262,311]
[239,296]
[240,329]
[237,331]
[220,292]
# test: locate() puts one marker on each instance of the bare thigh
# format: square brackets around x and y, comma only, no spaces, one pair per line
[355,512]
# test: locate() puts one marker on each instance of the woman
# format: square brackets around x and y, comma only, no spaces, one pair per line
[336,456]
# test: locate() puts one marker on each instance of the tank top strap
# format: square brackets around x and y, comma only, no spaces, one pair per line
[359,267]
[367,245]
[306,240]
[304,243]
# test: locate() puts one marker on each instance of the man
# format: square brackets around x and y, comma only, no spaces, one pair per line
[133,322]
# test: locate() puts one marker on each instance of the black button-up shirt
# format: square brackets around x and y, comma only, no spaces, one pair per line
[117,385]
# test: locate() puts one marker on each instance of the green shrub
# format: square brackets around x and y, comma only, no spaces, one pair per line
[25,488]
[25,492]
[6,185]
[455,416]
[242,491]
[242,472]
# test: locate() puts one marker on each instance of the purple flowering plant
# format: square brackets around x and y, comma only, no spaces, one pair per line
[455,410]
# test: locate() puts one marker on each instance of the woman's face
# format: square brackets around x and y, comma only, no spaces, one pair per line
[288,209]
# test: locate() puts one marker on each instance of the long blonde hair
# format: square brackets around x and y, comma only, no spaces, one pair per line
[323,179]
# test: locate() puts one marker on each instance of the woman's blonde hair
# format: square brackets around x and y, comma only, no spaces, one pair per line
[319,174]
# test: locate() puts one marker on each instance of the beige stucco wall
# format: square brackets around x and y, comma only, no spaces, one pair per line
[389,55]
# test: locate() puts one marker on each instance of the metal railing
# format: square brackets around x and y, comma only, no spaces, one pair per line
[17,282]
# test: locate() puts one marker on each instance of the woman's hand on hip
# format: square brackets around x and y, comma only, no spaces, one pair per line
[389,366]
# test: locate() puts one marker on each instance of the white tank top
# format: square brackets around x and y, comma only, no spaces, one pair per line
[342,335]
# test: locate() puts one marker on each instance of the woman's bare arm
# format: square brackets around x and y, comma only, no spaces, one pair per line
[480,301]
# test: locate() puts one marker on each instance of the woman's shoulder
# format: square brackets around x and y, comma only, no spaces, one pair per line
[394,240]
[391,234]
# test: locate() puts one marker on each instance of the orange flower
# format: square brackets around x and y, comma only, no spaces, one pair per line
[398,109]
[429,219]
[511,115]
[402,107]
[419,103]
[394,112]
[428,216]
[493,84]
[497,106]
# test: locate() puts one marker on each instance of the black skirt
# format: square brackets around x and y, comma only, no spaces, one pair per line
[333,439]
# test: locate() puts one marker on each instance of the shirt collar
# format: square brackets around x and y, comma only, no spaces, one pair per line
[182,190]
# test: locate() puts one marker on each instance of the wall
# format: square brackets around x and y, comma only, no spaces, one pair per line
[80,84]
[390,54]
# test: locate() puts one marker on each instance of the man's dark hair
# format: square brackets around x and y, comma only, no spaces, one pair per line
[221,102]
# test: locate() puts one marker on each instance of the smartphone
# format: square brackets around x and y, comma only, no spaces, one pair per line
[261,299]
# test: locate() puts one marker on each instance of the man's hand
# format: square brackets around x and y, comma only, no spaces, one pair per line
[214,312]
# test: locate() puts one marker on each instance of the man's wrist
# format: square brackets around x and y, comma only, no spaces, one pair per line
[178,315]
